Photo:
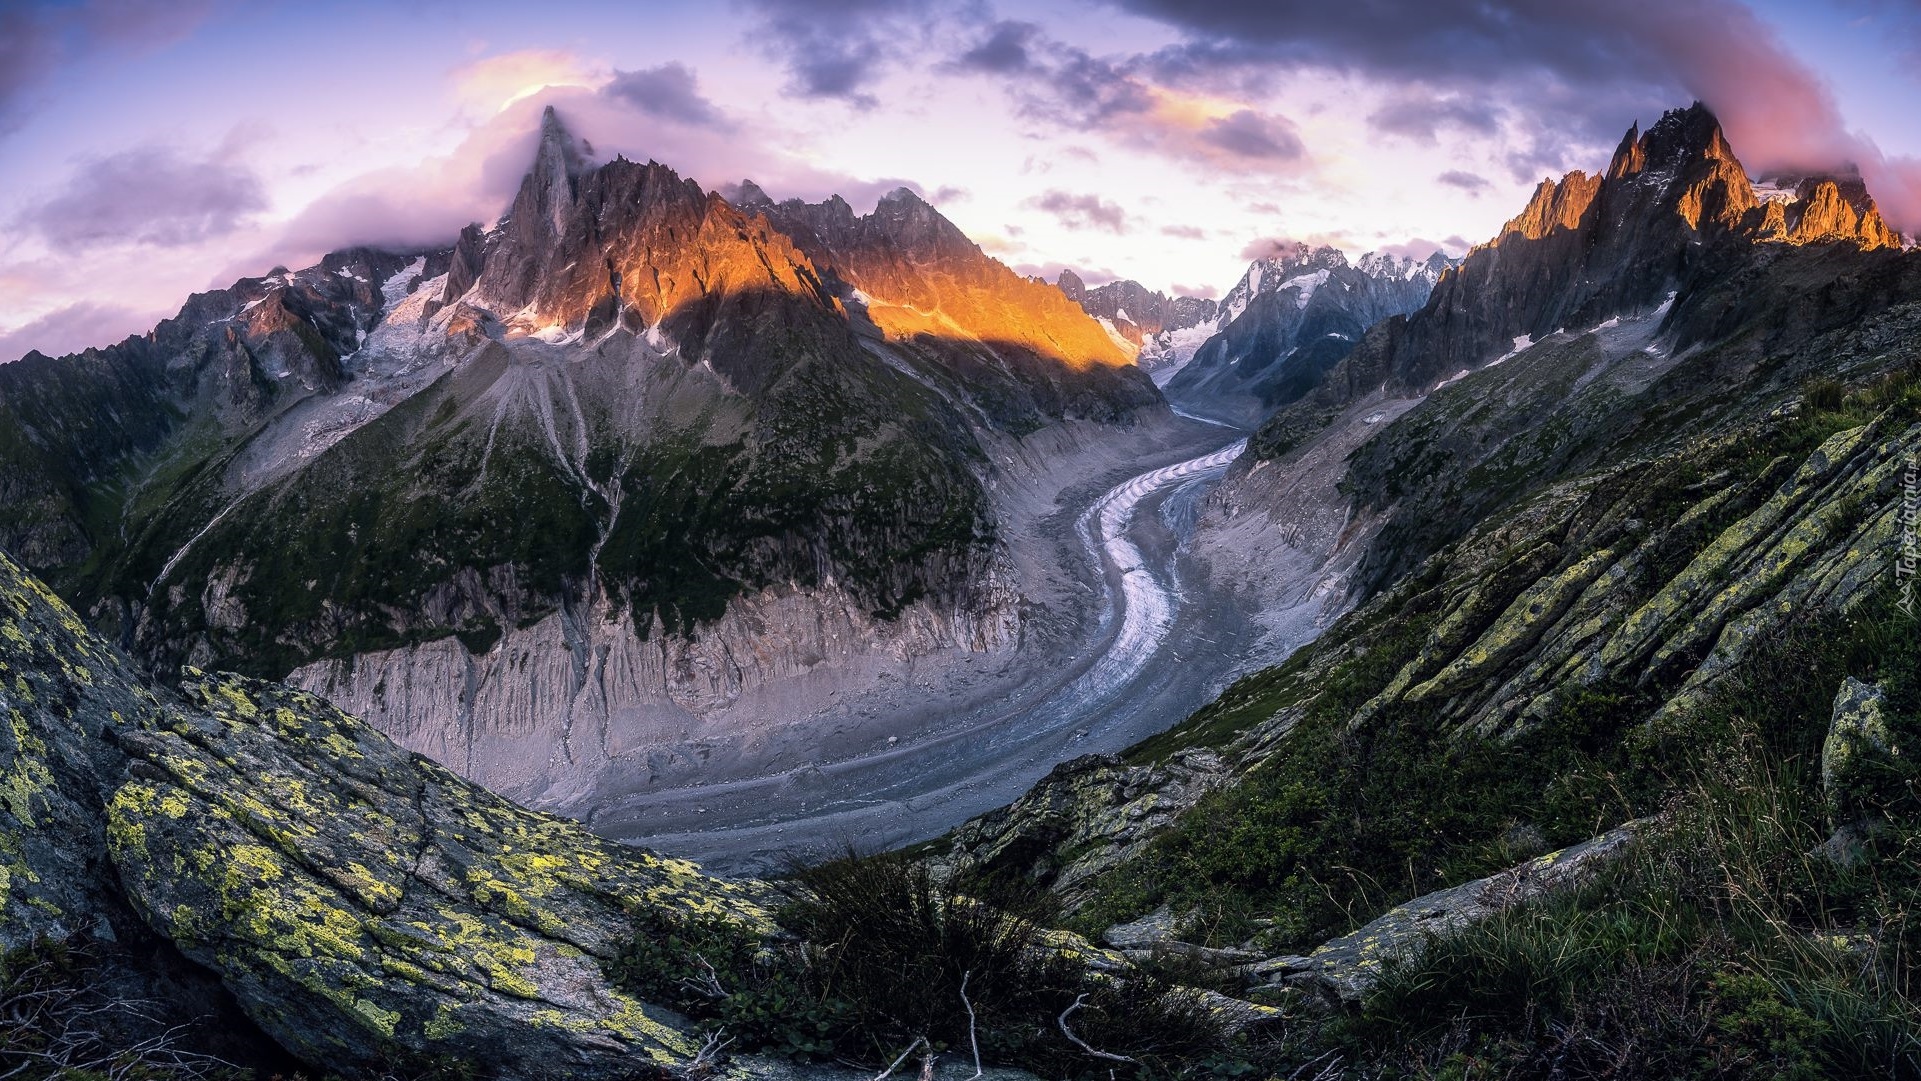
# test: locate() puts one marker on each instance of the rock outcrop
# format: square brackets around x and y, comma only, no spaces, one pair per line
[1346,968]
[364,907]
[1868,757]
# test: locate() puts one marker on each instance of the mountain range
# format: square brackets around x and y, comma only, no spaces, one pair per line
[1563,685]
[578,440]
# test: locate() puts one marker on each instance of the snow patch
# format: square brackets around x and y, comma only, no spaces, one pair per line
[1522,343]
[1306,285]
[394,289]
[558,335]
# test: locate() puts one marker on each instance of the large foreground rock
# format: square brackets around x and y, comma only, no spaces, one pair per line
[367,909]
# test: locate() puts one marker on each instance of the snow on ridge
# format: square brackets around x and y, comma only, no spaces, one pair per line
[1115,336]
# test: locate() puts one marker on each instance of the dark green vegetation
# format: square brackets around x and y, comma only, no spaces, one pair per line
[889,960]
[463,511]
[1726,945]
[1323,836]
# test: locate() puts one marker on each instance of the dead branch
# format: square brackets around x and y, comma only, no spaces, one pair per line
[1079,1001]
[972,1039]
[919,1042]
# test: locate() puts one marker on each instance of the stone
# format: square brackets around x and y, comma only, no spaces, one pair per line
[1344,969]
[1154,929]
[363,906]
[1861,758]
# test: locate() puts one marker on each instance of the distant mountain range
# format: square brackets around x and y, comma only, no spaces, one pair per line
[1269,340]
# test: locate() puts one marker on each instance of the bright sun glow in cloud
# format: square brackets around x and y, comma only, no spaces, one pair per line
[493,83]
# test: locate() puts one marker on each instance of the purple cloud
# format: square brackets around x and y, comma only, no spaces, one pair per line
[836,49]
[1081,211]
[150,195]
[668,92]
[1472,183]
[1248,134]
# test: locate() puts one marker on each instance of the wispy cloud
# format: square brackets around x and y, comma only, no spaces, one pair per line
[1082,211]
[152,195]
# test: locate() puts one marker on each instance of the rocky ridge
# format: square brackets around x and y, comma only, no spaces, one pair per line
[1163,331]
[1674,211]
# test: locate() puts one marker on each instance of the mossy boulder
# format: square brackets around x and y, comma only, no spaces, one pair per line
[366,908]
[1863,761]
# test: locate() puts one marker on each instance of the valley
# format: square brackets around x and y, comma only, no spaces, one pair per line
[1154,643]
[667,620]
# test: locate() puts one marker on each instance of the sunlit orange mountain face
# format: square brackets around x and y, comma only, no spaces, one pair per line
[1146,541]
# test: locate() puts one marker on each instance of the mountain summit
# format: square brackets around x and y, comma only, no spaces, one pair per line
[655,448]
[1674,214]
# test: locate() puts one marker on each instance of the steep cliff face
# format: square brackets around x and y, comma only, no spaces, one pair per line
[551,709]
[362,906]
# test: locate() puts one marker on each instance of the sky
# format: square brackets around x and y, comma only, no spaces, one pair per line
[154,148]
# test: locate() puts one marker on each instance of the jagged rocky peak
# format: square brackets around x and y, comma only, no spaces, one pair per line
[1290,318]
[1812,209]
[920,276]
[750,194]
[1381,264]
[1684,166]
[548,189]
[1133,309]
[912,222]
[1071,284]
[621,244]
[1555,205]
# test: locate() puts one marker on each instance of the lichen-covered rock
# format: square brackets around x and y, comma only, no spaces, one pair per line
[1861,758]
[1086,817]
[51,852]
[1345,968]
[365,907]
[364,899]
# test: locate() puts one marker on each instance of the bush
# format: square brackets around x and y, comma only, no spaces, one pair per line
[57,1024]
[892,958]
[1723,947]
